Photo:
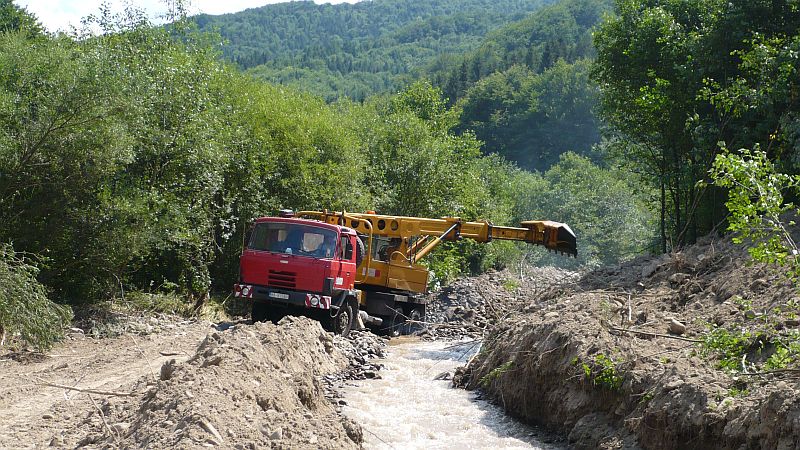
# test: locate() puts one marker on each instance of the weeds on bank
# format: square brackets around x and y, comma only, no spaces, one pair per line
[511,284]
[601,372]
[753,348]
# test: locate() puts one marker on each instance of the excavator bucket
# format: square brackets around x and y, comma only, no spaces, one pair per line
[553,235]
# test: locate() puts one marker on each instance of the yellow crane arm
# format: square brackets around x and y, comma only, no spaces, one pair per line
[395,244]
[554,236]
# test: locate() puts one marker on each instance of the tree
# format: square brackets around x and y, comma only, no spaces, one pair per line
[13,18]
[757,206]
[661,65]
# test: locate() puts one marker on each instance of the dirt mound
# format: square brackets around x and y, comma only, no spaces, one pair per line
[467,307]
[623,358]
[250,386]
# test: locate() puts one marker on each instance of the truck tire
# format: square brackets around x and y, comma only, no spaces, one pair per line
[342,322]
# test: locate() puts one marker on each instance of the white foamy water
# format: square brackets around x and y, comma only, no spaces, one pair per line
[408,409]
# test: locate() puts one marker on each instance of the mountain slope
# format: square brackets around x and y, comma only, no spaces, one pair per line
[359,49]
[526,90]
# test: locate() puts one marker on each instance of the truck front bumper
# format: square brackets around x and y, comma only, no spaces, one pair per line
[264,294]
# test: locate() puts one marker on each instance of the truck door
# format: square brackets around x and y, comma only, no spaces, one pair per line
[347,268]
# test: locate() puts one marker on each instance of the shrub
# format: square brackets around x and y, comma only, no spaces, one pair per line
[24,307]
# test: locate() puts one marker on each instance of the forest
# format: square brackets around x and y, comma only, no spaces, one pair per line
[133,158]
[356,50]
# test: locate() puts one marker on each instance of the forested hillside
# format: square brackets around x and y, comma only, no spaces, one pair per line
[355,50]
[132,161]
[526,91]
[519,70]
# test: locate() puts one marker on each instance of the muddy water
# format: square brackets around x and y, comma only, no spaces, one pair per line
[409,409]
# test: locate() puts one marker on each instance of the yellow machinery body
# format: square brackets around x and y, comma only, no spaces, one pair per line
[395,244]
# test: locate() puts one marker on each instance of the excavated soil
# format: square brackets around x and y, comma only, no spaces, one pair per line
[244,386]
[611,359]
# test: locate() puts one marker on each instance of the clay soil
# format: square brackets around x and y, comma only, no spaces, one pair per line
[605,358]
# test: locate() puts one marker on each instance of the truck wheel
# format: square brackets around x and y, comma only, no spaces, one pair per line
[342,323]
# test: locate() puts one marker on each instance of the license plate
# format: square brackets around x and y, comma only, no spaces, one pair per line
[279,295]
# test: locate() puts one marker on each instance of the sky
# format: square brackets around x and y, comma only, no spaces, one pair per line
[60,14]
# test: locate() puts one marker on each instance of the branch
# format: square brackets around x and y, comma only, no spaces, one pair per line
[646,333]
[89,391]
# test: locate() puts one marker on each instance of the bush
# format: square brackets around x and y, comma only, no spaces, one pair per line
[24,306]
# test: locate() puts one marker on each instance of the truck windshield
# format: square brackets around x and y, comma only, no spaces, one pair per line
[293,239]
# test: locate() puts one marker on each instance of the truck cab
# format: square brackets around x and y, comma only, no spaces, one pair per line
[293,265]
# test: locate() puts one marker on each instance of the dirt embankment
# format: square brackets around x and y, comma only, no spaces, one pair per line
[247,386]
[565,360]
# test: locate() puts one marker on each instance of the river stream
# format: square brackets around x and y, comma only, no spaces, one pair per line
[409,409]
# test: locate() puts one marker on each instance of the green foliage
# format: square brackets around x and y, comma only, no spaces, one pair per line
[16,19]
[524,88]
[355,50]
[728,347]
[756,203]
[526,91]
[511,284]
[609,215]
[24,306]
[786,352]
[679,76]
[603,372]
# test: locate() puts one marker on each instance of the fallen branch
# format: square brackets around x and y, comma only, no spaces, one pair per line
[647,333]
[103,416]
[89,391]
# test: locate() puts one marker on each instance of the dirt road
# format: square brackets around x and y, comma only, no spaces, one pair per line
[33,414]
[193,384]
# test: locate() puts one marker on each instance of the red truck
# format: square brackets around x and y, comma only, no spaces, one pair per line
[342,268]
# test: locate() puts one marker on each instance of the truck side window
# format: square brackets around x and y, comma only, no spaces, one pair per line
[347,248]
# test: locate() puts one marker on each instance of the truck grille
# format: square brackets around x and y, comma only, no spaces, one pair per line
[281,279]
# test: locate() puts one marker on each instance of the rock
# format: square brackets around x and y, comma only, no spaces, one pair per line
[678,278]
[790,323]
[676,327]
[551,315]
[277,434]
[750,314]
[443,376]
[121,428]
[759,285]
[47,416]
[674,384]
[167,369]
